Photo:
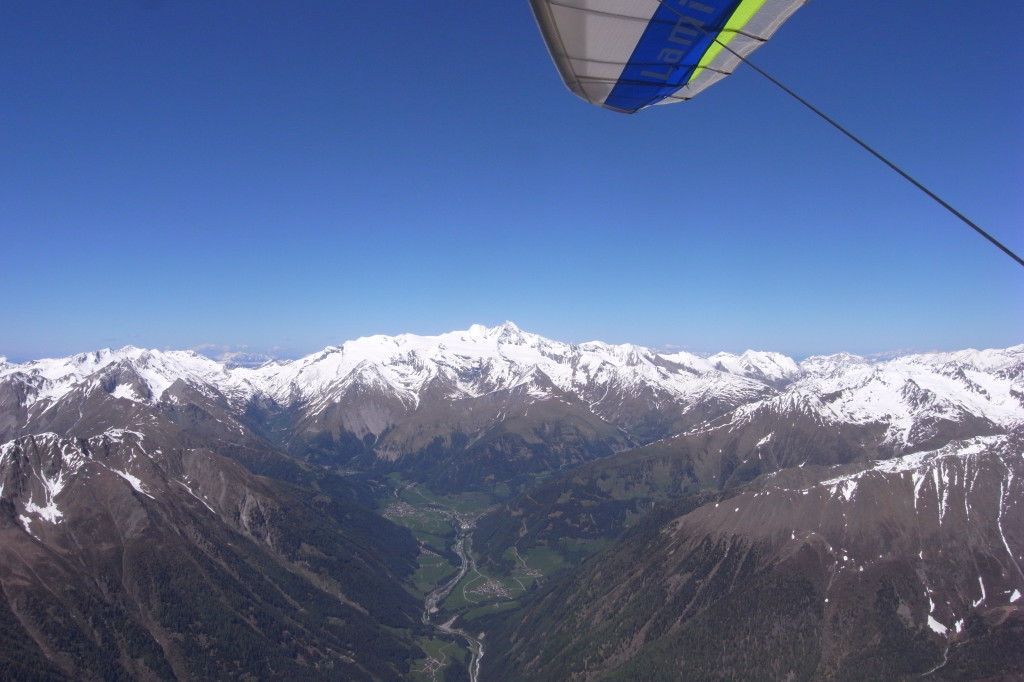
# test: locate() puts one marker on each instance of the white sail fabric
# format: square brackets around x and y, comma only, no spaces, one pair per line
[626,55]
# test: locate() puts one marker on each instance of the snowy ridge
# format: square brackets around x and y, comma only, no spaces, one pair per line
[907,394]
[130,373]
[42,467]
[482,360]
[772,368]
[46,479]
[953,512]
[921,466]
[934,478]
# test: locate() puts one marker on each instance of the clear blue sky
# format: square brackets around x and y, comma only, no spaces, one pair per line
[293,174]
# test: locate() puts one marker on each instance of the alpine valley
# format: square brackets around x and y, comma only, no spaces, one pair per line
[492,505]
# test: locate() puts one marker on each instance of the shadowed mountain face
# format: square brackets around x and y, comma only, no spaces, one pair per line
[163,516]
[121,557]
[597,500]
[469,409]
[905,569]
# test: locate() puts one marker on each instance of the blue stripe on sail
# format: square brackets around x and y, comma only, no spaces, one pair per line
[668,52]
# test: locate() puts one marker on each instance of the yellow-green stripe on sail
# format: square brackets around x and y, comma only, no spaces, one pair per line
[743,14]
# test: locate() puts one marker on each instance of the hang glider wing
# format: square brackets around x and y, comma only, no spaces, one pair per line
[626,55]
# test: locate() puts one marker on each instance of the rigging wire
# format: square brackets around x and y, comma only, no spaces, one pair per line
[828,119]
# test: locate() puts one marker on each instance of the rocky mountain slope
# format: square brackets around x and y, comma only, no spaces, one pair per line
[906,569]
[131,556]
[168,516]
[501,399]
[466,409]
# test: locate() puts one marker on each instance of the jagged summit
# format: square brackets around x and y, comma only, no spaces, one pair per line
[507,332]
[144,459]
[912,395]
[130,372]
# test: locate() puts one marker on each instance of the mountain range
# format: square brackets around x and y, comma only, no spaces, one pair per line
[167,516]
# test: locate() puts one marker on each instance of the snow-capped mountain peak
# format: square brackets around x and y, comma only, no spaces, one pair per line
[129,372]
[772,368]
[911,396]
[915,398]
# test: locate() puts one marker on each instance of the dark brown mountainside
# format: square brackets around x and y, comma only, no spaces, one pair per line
[646,515]
[907,569]
[121,558]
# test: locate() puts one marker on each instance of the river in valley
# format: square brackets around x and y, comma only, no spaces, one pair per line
[463,543]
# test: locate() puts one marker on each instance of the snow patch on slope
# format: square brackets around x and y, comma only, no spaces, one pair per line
[907,395]
[49,380]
